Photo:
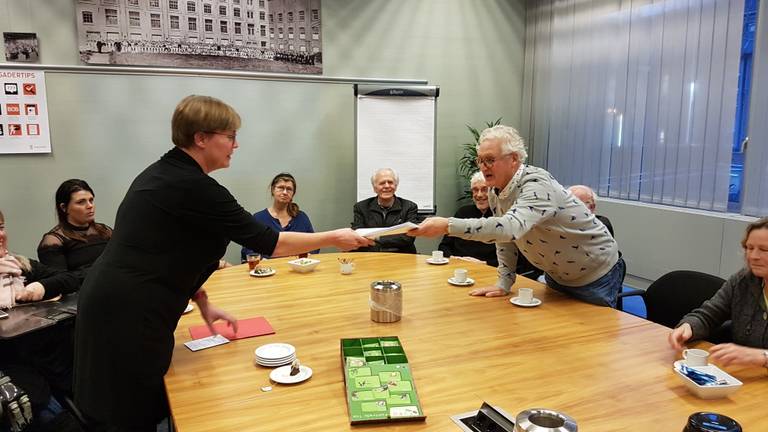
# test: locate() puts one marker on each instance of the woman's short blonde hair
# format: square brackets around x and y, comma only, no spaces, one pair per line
[758,224]
[201,114]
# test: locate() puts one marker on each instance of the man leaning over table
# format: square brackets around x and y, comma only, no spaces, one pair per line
[536,216]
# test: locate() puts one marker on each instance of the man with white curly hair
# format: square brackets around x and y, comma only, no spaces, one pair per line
[536,216]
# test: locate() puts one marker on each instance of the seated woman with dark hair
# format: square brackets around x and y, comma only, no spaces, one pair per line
[283,214]
[77,240]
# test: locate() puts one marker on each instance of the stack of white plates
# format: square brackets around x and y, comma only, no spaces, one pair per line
[275,354]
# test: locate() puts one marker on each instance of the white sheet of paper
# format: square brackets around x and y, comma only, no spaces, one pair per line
[373,233]
[206,342]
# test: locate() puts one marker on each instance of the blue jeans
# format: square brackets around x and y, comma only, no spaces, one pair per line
[602,292]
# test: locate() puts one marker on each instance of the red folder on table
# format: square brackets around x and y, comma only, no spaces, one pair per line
[246,328]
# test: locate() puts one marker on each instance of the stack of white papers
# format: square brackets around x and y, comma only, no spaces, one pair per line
[374,233]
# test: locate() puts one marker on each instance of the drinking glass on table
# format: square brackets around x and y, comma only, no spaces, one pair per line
[253,260]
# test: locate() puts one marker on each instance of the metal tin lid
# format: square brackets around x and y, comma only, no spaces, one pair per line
[386,285]
[544,420]
[711,422]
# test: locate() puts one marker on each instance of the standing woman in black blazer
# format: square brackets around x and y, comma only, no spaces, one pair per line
[171,229]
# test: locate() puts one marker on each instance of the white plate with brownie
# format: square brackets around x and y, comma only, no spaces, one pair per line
[283,375]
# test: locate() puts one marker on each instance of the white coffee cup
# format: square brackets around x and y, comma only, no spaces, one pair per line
[460,275]
[347,268]
[437,255]
[696,357]
[525,295]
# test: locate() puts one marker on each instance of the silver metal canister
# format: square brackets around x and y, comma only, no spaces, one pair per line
[544,420]
[386,301]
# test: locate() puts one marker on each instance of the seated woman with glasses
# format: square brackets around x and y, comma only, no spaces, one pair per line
[77,240]
[283,214]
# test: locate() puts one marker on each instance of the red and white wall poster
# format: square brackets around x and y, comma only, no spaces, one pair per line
[23,112]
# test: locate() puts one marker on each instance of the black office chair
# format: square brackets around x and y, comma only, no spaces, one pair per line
[678,292]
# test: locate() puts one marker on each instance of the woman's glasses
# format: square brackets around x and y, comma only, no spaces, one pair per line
[232,137]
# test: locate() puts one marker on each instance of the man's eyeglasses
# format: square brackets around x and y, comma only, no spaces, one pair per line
[232,138]
[488,162]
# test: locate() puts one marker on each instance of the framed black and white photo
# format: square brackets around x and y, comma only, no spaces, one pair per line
[21,47]
[281,36]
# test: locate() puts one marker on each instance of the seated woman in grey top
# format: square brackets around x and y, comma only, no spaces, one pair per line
[742,299]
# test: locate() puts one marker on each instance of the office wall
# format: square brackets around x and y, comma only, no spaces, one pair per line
[657,239]
[107,128]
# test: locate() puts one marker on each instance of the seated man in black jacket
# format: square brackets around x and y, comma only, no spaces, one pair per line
[386,210]
[469,249]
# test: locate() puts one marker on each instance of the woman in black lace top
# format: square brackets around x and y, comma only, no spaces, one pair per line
[77,240]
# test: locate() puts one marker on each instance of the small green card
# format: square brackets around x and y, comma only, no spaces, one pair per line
[359,372]
[362,395]
[367,382]
[400,398]
[378,406]
[400,386]
[389,376]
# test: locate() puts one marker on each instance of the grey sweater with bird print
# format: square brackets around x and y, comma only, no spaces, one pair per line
[536,216]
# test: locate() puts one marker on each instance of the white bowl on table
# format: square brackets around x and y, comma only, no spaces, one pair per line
[710,391]
[303,265]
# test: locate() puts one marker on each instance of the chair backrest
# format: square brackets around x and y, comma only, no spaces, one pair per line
[677,293]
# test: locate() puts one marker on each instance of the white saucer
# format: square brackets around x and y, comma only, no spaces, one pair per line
[275,351]
[438,262]
[516,302]
[269,273]
[679,363]
[190,307]
[467,282]
[274,363]
[282,375]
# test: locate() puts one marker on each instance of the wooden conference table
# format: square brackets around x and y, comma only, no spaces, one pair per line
[607,369]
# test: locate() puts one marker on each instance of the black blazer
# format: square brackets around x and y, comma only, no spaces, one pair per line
[171,229]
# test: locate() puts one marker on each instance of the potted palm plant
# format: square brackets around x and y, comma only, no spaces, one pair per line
[467,166]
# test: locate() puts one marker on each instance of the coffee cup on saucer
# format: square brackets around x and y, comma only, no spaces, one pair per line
[437,255]
[525,295]
[460,276]
[696,357]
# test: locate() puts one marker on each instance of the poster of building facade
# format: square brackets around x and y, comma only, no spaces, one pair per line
[23,112]
[281,36]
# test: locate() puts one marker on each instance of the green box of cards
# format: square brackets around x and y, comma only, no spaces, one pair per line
[378,380]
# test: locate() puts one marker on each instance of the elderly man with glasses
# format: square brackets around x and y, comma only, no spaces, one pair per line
[536,216]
